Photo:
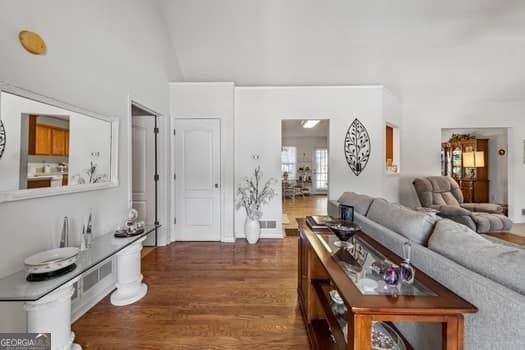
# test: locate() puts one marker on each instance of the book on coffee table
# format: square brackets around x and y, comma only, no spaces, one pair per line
[319,221]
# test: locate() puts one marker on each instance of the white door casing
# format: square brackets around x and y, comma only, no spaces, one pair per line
[143,186]
[197,183]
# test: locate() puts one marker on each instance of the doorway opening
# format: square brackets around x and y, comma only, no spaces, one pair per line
[304,169]
[477,159]
[144,167]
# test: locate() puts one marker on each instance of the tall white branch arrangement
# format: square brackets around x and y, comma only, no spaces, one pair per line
[252,195]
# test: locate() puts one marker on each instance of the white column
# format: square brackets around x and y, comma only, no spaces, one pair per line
[129,277]
[52,314]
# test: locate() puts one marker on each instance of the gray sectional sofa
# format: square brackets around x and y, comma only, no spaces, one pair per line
[486,273]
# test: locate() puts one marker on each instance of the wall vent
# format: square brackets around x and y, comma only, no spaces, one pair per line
[105,270]
[268,224]
[93,277]
[89,280]
[75,291]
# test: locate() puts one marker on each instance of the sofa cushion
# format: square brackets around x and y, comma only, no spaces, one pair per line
[416,226]
[483,207]
[360,202]
[500,263]
[435,191]
[487,222]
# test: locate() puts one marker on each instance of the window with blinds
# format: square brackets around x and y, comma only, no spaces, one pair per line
[321,169]
[289,161]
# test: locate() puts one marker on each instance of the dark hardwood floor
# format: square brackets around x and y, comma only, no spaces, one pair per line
[206,296]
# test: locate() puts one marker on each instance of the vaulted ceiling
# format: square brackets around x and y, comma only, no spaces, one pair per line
[467,49]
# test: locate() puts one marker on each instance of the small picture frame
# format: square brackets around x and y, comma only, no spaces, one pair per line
[346,212]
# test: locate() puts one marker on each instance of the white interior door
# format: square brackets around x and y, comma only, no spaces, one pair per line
[143,187]
[197,168]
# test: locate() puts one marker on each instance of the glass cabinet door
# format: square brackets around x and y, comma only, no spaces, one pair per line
[457,155]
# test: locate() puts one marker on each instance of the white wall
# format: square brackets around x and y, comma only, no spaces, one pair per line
[258,115]
[212,100]
[251,125]
[421,144]
[99,53]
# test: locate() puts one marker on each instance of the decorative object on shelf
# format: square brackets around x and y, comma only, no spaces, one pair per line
[83,239]
[502,152]
[51,260]
[367,284]
[343,230]
[133,227]
[357,147]
[378,267]
[44,276]
[89,228]
[319,221]
[391,276]
[32,42]
[346,212]
[338,305]
[2,138]
[461,137]
[64,236]
[385,337]
[408,273]
[251,196]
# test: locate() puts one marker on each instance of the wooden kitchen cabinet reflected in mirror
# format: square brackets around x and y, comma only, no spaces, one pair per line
[48,136]
[46,162]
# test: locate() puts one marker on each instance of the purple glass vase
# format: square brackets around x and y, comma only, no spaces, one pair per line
[391,275]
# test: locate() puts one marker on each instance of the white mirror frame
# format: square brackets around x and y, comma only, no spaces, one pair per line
[10,196]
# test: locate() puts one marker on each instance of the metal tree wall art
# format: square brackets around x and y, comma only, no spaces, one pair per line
[2,139]
[357,147]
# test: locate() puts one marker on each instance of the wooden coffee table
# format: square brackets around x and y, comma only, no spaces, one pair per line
[320,269]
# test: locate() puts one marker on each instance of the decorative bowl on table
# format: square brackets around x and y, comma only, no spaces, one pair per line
[385,337]
[343,229]
[51,260]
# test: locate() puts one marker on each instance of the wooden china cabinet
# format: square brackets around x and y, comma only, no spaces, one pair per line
[474,181]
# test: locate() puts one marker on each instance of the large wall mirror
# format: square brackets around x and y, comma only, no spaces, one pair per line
[51,148]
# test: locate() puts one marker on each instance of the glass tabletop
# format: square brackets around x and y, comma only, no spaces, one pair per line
[15,287]
[359,260]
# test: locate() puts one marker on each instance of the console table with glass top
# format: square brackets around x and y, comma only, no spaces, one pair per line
[48,303]
[323,267]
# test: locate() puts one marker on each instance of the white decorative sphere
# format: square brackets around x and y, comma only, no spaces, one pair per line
[133,215]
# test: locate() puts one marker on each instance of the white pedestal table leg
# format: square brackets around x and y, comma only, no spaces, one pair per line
[129,277]
[52,314]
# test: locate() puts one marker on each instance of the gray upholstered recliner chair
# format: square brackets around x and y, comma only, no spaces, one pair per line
[443,194]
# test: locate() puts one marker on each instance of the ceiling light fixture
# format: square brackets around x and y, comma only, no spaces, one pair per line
[308,124]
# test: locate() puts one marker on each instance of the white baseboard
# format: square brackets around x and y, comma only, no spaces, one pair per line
[269,234]
[272,234]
